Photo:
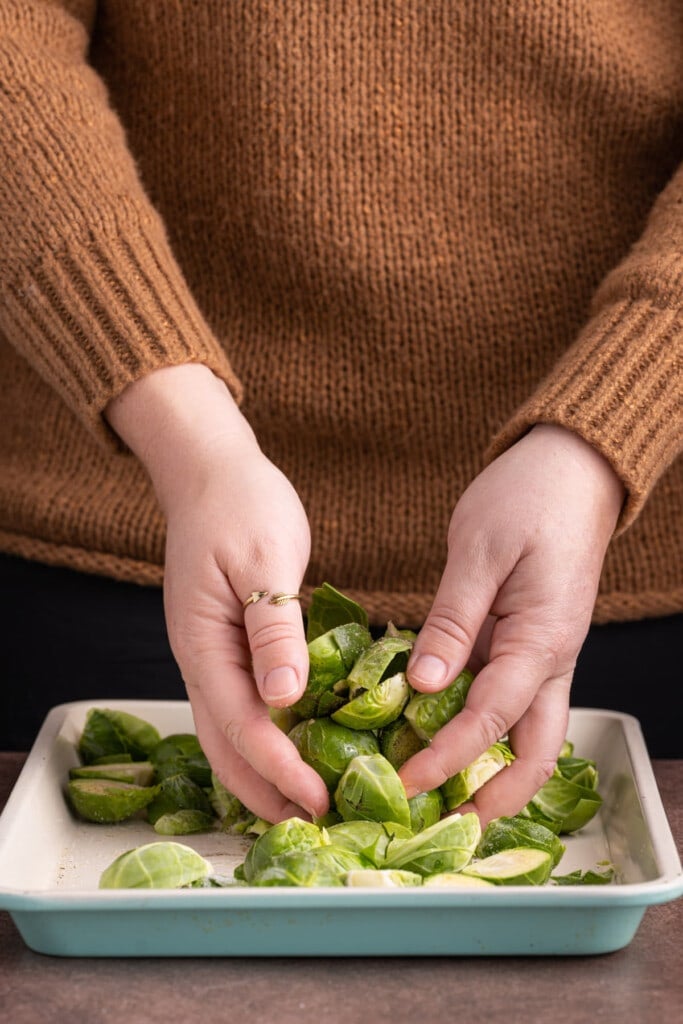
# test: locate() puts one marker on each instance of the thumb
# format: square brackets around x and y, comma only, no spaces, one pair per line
[444,644]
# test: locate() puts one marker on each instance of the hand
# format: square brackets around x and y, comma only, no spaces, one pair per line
[526,545]
[234,525]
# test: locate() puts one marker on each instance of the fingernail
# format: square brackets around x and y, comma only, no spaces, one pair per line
[412,791]
[280,683]
[429,669]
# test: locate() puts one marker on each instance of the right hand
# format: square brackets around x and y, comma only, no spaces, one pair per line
[234,525]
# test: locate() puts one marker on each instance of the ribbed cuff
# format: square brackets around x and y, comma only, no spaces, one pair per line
[103,311]
[618,387]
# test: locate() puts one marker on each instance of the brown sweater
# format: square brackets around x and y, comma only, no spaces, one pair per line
[402,232]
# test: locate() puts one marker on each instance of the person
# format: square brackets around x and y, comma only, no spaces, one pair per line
[386,295]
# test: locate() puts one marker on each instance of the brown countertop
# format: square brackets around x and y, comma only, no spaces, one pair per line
[640,984]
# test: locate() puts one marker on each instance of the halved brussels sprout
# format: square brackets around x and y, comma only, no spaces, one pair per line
[284,718]
[398,741]
[285,837]
[107,801]
[177,793]
[456,880]
[330,608]
[381,704]
[520,866]
[330,656]
[323,865]
[448,845]
[568,805]
[234,817]
[371,789]
[508,833]
[371,839]
[460,787]
[378,661]
[428,712]
[155,866]
[140,773]
[578,770]
[329,747]
[107,732]
[184,822]
[425,809]
[381,878]
[181,754]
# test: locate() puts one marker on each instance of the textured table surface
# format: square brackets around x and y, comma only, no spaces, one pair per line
[640,984]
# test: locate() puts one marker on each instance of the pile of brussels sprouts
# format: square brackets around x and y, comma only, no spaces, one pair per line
[356,724]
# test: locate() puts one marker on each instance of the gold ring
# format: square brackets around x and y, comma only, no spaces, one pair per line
[280,599]
[255,596]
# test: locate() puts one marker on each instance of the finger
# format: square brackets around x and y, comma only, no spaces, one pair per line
[498,697]
[275,632]
[536,740]
[232,701]
[258,795]
[462,602]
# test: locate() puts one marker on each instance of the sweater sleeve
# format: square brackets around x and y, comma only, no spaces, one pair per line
[619,384]
[90,293]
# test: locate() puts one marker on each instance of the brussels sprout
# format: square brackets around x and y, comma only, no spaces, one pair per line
[578,770]
[381,878]
[376,707]
[328,820]
[155,866]
[428,712]
[370,839]
[448,845]
[330,608]
[569,805]
[181,754]
[329,747]
[184,823]
[330,656]
[371,789]
[378,661]
[508,833]
[464,784]
[234,817]
[425,809]
[140,773]
[456,880]
[107,733]
[285,837]
[284,718]
[106,801]
[323,865]
[519,866]
[567,749]
[398,741]
[177,793]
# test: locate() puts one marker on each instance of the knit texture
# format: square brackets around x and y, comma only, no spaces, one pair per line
[401,232]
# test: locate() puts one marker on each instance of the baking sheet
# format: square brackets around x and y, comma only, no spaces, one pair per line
[50,865]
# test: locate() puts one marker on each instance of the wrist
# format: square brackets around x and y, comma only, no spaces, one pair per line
[605,484]
[179,421]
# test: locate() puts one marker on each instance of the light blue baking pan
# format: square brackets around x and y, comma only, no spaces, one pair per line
[50,865]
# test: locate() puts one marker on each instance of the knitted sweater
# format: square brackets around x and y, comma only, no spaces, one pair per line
[401,232]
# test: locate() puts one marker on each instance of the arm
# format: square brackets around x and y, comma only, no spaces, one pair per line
[528,537]
[93,299]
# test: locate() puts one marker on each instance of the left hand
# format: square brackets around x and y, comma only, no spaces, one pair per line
[526,546]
